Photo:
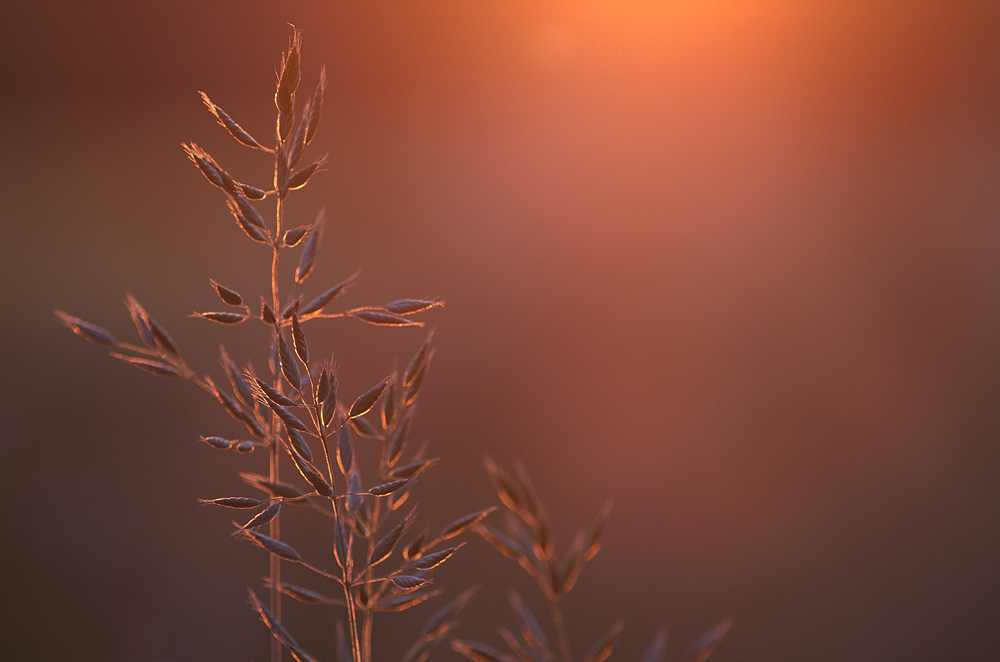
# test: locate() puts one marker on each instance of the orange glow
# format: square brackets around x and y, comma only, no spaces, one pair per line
[731,264]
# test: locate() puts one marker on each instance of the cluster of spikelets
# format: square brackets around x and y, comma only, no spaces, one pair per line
[527,538]
[295,410]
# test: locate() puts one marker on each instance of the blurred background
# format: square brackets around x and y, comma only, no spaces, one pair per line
[733,265]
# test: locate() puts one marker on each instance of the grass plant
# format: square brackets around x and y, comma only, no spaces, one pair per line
[295,413]
[527,538]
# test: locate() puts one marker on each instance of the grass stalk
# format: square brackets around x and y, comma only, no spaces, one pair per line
[274,468]
[561,634]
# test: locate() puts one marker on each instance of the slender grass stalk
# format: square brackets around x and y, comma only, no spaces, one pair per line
[560,625]
[274,449]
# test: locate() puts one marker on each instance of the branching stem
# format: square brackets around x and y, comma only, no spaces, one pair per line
[557,619]
[275,449]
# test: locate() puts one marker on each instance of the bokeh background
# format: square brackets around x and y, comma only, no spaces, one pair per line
[734,265]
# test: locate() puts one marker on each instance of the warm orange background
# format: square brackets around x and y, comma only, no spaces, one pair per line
[735,265]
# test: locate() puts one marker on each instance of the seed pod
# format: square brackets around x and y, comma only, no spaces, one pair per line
[405,601]
[657,648]
[329,399]
[311,474]
[397,440]
[417,361]
[323,384]
[363,427]
[287,417]
[387,488]
[317,304]
[429,561]
[219,442]
[250,212]
[299,443]
[252,192]
[299,341]
[572,564]
[288,366]
[412,469]
[223,317]
[381,318]
[504,544]
[300,178]
[256,233]
[275,488]
[413,550]
[141,321]
[288,80]
[410,306]
[408,582]
[276,547]
[291,307]
[296,146]
[277,629]
[521,650]
[308,257]
[266,313]
[311,115]
[707,642]
[294,236]
[88,331]
[281,166]
[345,450]
[235,130]
[476,651]
[238,413]
[367,400]
[388,542]
[307,596]
[389,405]
[240,385]
[593,540]
[341,544]
[398,498]
[153,367]
[355,496]
[602,648]
[531,631]
[463,523]
[233,502]
[264,516]
[228,296]
[413,388]
[504,485]
[212,171]
[270,394]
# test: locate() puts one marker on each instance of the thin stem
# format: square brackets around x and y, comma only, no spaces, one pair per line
[369,571]
[352,617]
[560,630]
[275,455]
[275,532]
[351,614]
[367,635]
[274,263]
